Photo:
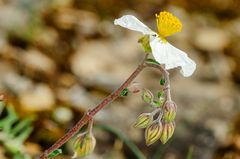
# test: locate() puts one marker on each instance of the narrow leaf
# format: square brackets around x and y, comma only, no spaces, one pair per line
[162,81]
[21,126]
[152,61]
[124,92]
[156,103]
[55,153]
[160,94]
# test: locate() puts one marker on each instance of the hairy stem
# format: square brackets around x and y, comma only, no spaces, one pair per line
[89,115]
[166,77]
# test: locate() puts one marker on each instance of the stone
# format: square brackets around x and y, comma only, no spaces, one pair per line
[211,39]
[16,83]
[37,61]
[105,63]
[12,18]
[63,114]
[38,98]
[77,96]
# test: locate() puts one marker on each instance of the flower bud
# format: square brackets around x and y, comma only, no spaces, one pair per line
[167,132]
[134,87]
[143,120]
[84,144]
[147,96]
[153,132]
[169,111]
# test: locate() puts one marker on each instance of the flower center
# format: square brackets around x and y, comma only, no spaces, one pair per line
[167,24]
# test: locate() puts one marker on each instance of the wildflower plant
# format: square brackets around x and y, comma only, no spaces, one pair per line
[14,132]
[159,124]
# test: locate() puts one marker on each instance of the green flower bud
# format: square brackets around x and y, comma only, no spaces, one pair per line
[167,132]
[169,111]
[147,96]
[143,120]
[153,132]
[84,144]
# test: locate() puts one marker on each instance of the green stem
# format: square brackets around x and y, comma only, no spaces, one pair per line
[125,139]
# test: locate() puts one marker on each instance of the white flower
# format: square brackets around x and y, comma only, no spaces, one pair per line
[162,51]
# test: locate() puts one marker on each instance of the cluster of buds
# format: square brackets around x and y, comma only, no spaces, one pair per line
[161,128]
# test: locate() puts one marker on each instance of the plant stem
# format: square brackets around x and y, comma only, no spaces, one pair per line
[166,77]
[88,116]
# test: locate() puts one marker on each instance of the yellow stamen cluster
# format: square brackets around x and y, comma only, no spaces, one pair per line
[167,24]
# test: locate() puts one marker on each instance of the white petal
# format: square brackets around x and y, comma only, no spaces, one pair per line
[132,23]
[172,57]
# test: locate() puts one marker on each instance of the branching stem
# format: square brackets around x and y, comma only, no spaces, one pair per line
[89,115]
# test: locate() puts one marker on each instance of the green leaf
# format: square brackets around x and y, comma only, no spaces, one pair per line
[162,81]
[124,92]
[156,103]
[8,121]
[25,134]
[152,61]
[55,153]
[15,132]
[190,152]
[130,144]
[144,40]
[160,94]
[21,126]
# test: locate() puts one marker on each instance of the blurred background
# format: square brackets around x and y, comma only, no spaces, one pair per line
[60,58]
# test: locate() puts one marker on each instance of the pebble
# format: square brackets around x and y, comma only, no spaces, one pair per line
[211,39]
[62,114]
[16,83]
[96,64]
[38,61]
[38,98]
[12,18]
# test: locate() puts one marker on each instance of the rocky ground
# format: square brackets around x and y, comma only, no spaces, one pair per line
[60,58]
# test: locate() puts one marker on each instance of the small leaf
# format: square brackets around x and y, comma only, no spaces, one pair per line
[144,40]
[124,92]
[55,153]
[162,81]
[160,94]
[156,103]
[152,61]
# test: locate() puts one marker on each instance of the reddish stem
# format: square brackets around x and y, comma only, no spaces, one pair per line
[92,112]
[88,116]
[166,77]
